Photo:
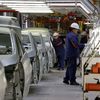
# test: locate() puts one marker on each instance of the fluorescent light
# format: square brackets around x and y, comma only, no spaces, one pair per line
[34,11]
[21,1]
[61,4]
[53,1]
[31,9]
[26,4]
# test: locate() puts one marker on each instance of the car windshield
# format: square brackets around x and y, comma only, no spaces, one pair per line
[37,39]
[46,39]
[26,42]
[5,44]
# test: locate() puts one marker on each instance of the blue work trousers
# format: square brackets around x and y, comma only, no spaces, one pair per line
[61,57]
[61,61]
[71,70]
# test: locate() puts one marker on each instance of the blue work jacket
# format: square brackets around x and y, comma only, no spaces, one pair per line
[72,45]
[59,46]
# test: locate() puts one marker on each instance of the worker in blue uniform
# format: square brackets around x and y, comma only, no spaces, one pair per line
[60,50]
[72,53]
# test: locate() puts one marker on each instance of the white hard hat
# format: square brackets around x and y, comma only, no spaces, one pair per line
[56,34]
[75,25]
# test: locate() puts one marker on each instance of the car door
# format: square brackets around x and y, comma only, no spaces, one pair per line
[40,51]
[45,56]
[29,46]
[36,67]
[3,82]
[25,61]
[49,51]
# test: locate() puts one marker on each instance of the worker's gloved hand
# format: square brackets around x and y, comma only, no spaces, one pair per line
[78,61]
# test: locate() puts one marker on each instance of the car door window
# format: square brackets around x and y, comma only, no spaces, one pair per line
[5,44]
[26,42]
[18,43]
[37,39]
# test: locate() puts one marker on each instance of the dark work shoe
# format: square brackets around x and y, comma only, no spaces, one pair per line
[58,68]
[74,83]
[66,82]
[62,68]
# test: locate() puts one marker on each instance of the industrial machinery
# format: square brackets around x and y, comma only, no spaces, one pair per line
[90,58]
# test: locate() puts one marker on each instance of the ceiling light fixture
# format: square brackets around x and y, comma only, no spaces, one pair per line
[61,4]
[34,11]
[31,8]
[26,4]
[71,4]
[21,2]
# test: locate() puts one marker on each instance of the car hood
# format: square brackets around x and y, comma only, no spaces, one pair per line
[7,60]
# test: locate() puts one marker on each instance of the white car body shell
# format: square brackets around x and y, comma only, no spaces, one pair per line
[9,26]
[49,47]
[41,50]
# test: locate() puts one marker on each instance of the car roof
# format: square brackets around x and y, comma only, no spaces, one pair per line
[26,32]
[7,21]
[37,29]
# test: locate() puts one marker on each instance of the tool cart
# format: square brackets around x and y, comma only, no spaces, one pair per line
[90,60]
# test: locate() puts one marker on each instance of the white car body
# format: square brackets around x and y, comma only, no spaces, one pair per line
[31,49]
[50,49]
[48,44]
[41,52]
[14,59]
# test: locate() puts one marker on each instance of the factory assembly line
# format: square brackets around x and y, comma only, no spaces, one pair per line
[28,57]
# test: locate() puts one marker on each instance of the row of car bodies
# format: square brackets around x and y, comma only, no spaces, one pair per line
[42,38]
[24,58]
